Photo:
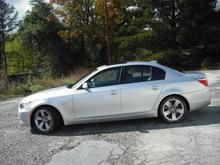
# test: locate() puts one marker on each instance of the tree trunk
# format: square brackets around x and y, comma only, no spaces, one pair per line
[173,23]
[108,32]
[3,60]
[1,55]
[1,37]
[4,55]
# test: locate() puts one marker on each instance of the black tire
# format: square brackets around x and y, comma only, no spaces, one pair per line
[54,124]
[180,112]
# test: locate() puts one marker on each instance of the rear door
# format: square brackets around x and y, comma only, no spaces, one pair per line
[141,87]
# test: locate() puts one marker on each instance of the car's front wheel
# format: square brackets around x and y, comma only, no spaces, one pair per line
[45,120]
[173,109]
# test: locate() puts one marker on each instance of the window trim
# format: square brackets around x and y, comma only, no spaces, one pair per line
[122,75]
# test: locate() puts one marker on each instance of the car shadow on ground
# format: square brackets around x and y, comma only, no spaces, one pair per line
[207,116]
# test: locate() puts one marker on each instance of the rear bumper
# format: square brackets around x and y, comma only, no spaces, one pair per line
[199,99]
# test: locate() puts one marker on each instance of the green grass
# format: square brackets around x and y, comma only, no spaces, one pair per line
[12,91]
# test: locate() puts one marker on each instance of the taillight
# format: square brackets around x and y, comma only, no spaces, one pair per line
[204,82]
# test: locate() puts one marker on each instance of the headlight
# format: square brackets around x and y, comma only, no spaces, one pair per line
[21,105]
[25,105]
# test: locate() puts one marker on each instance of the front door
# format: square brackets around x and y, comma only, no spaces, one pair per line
[102,98]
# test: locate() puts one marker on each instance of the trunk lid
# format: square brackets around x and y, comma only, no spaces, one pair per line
[200,77]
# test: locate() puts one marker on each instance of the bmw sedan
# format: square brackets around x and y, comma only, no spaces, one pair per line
[117,92]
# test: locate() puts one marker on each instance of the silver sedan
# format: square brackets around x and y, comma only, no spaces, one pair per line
[117,92]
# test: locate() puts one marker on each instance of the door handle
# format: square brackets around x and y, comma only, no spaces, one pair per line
[155,87]
[114,92]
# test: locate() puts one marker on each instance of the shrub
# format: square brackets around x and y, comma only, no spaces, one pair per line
[205,64]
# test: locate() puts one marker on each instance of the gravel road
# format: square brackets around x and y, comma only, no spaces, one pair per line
[143,141]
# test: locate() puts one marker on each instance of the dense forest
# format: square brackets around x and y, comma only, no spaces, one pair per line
[56,38]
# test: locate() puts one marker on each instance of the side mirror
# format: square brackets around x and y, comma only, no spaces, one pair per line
[85,86]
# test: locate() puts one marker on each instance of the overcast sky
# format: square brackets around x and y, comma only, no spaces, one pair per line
[20,5]
[23,5]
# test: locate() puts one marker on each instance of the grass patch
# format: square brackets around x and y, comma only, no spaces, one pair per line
[14,90]
[39,84]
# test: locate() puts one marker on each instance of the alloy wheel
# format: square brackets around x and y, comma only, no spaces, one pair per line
[173,110]
[43,120]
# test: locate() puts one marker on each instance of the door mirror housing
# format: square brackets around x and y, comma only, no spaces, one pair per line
[85,86]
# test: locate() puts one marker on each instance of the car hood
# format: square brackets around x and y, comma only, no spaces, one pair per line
[46,94]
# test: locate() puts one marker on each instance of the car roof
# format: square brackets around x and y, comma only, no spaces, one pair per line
[152,63]
[170,73]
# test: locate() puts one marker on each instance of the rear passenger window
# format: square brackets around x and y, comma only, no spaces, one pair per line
[158,74]
[142,73]
[139,73]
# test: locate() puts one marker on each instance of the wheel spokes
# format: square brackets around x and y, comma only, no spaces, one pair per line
[43,120]
[47,125]
[168,104]
[39,118]
[176,103]
[41,125]
[174,116]
[166,113]
[173,109]
[48,118]
[42,112]
[180,110]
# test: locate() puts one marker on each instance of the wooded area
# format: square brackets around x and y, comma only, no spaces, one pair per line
[56,38]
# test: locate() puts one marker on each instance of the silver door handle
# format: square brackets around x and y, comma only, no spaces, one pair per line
[155,87]
[114,92]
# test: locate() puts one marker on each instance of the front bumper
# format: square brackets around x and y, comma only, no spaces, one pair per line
[24,117]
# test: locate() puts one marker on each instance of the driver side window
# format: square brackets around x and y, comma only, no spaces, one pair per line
[105,78]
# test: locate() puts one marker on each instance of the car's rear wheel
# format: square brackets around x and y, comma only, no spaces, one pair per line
[45,120]
[173,109]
